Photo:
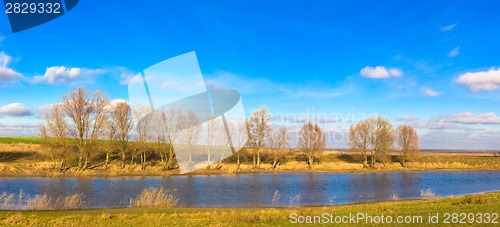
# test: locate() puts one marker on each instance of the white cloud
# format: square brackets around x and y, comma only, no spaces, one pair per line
[454,52]
[58,75]
[481,81]
[449,27]
[379,72]
[15,110]
[430,92]
[472,118]
[6,73]
[437,125]
[63,75]
[113,103]
[408,118]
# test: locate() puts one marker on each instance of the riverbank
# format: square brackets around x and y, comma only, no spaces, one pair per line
[30,160]
[473,204]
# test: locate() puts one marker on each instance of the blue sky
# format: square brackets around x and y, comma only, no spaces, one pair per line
[431,64]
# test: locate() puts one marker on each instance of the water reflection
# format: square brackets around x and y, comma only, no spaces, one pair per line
[259,189]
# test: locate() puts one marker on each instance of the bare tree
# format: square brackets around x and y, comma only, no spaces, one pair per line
[259,130]
[311,140]
[382,139]
[279,140]
[144,117]
[122,121]
[55,132]
[110,128]
[192,132]
[212,126]
[88,114]
[360,138]
[173,123]
[159,133]
[239,137]
[407,140]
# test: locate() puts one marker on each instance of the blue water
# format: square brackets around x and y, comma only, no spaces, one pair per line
[258,190]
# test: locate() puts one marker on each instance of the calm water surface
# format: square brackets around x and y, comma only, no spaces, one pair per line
[259,189]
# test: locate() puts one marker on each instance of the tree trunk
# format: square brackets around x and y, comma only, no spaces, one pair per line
[208,166]
[80,158]
[107,160]
[86,162]
[238,161]
[373,160]
[254,160]
[365,163]
[311,160]
[258,158]
[123,160]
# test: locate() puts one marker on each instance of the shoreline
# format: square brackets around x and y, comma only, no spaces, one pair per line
[166,175]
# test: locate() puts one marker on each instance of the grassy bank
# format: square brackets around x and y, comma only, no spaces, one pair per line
[25,157]
[486,203]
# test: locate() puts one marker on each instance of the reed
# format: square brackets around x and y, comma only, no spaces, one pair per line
[40,202]
[154,197]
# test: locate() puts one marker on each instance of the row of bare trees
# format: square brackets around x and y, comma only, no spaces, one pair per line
[86,117]
[376,137]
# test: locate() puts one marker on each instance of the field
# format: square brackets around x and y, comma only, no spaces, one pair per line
[413,209]
[26,157]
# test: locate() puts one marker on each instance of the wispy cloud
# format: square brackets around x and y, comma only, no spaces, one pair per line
[379,72]
[247,85]
[449,27]
[18,129]
[471,118]
[481,81]
[429,92]
[7,75]
[454,52]
[408,118]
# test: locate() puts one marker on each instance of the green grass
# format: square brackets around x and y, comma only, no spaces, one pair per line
[486,203]
[25,140]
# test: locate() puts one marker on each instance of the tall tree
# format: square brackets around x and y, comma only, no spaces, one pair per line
[360,138]
[123,122]
[382,139]
[192,132]
[259,130]
[407,140]
[87,112]
[279,141]
[55,132]
[311,140]
[110,135]
[212,136]
[160,135]
[143,128]
[173,123]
